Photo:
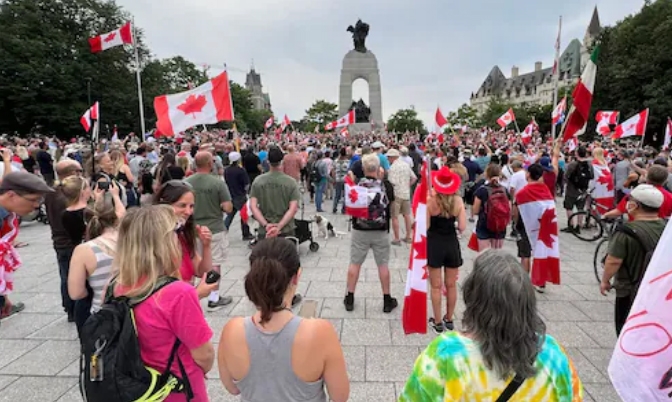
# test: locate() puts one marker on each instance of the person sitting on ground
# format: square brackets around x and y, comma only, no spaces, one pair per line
[503,339]
[275,352]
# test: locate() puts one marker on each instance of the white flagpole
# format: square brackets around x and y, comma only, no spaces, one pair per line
[556,76]
[137,75]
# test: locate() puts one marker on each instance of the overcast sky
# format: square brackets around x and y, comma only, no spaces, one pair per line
[430,52]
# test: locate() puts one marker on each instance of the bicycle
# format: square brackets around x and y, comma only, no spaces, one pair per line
[591,227]
[602,248]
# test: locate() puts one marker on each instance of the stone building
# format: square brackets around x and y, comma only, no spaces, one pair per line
[536,87]
[260,99]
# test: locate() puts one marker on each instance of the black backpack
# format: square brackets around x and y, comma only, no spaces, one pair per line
[582,176]
[315,172]
[111,369]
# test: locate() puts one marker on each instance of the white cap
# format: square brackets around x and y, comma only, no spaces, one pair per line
[234,156]
[377,145]
[647,195]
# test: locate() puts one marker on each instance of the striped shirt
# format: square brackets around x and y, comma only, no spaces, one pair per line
[101,275]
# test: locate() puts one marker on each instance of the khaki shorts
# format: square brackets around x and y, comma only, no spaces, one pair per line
[400,207]
[363,240]
[219,248]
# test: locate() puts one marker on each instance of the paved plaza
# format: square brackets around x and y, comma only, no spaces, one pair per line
[39,348]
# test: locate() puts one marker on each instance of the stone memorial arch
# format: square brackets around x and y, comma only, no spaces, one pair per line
[361,63]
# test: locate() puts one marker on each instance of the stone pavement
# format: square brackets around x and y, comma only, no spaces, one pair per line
[39,348]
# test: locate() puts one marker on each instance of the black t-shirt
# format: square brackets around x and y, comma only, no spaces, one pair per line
[45,162]
[74,224]
[236,178]
[55,203]
[251,163]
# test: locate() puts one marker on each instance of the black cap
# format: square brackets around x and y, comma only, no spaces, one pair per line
[24,182]
[275,155]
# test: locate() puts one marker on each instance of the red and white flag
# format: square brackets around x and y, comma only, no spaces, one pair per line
[668,134]
[285,122]
[604,121]
[91,114]
[558,114]
[526,135]
[209,103]
[356,199]
[537,209]
[640,365]
[345,133]
[439,118]
[269,123]
[572,144]
[246,213]
[346,120]
[603,185]
[414,318]
[634,126]
[583,99]
[473,240]
[117,37]
[506,119]
[115,134]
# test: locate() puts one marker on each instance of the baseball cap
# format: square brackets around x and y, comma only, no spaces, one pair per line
[545,163]
[647,195]
[24,182]
[275,155]
[377,145]
[234,156]
[392,153]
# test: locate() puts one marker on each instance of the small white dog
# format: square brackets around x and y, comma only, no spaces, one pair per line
[325,228]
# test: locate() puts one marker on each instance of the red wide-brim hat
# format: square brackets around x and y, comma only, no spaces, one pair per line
[445,181]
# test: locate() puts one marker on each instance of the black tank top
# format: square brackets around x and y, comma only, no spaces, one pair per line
[441,225]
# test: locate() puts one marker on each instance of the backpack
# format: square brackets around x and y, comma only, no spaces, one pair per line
[497,209]
[648,245]
[582,176]
[378,202]
[111,369]
[315,172]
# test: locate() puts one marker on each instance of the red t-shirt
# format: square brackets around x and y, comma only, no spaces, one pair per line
[665,210]
[550,178]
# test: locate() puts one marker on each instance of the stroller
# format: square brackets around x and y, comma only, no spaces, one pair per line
[303,232]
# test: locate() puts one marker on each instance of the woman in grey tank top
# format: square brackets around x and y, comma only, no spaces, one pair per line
[91,263]
[275,355]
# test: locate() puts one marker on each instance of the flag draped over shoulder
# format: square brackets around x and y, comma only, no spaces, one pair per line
[356,199]
[603,185]
[414,319]
[641,365]
[537,209]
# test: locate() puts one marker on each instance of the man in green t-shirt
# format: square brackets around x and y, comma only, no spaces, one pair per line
[626,255]
[274,200]
[212,200]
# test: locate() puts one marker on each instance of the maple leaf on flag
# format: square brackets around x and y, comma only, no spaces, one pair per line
[193,104]
[548,227]
[420,248]
[353,195]
[606,181]
[110,37]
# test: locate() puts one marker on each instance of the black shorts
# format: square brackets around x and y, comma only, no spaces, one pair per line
[524,247]
[443,251]
[571,202]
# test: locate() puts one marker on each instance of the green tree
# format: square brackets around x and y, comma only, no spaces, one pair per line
[634,67]
[464,115]
[406,120]
[321,112]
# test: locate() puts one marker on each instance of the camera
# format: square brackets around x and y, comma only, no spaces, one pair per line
[104,185]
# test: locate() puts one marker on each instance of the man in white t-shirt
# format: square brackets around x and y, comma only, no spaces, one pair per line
[516,183]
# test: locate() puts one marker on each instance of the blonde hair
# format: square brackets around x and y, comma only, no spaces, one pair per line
[118,160]
[446,204]
[22,152]
[72,188]
[183,162]
[598,154]
[147,249]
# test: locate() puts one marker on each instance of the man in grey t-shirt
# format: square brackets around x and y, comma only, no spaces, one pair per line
[621,172]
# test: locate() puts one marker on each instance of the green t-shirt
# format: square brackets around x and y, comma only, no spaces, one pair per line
[627,248]
[274,191]
[210,192]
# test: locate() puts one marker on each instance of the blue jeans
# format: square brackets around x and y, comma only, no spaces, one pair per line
[339,191]
[63,257]
[319,192]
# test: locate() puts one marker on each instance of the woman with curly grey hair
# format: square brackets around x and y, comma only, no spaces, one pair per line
[502,338]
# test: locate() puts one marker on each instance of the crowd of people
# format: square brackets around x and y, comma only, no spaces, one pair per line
[127,215]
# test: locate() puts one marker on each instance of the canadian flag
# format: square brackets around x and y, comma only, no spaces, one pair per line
[634,126]
[668,134]
[414,318]
[269,123]
[345,133]
[473,240]
[344,121]
[92,113]
[572,144]
[526,135]
[356,199]
[439,118]
[558,115]
[604,120]
[537,209]
[603,185]
[506,119]
[246,212]
[117,37]
[209,103]
[285,122]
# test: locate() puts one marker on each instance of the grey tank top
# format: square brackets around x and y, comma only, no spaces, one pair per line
[271,377]
[100,276]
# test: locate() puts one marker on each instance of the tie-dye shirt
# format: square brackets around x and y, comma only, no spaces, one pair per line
[452,369]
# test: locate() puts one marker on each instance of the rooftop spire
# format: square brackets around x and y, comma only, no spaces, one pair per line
[594,28]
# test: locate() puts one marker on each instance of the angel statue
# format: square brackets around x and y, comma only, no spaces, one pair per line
[359,33]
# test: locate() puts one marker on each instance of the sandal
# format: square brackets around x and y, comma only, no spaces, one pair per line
[408,240]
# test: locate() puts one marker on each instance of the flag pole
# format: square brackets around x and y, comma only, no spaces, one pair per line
[556,75]
[515,122]
[646,123]
[139,80]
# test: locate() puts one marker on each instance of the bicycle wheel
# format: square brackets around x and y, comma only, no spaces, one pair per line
[590,226]
[599,258]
